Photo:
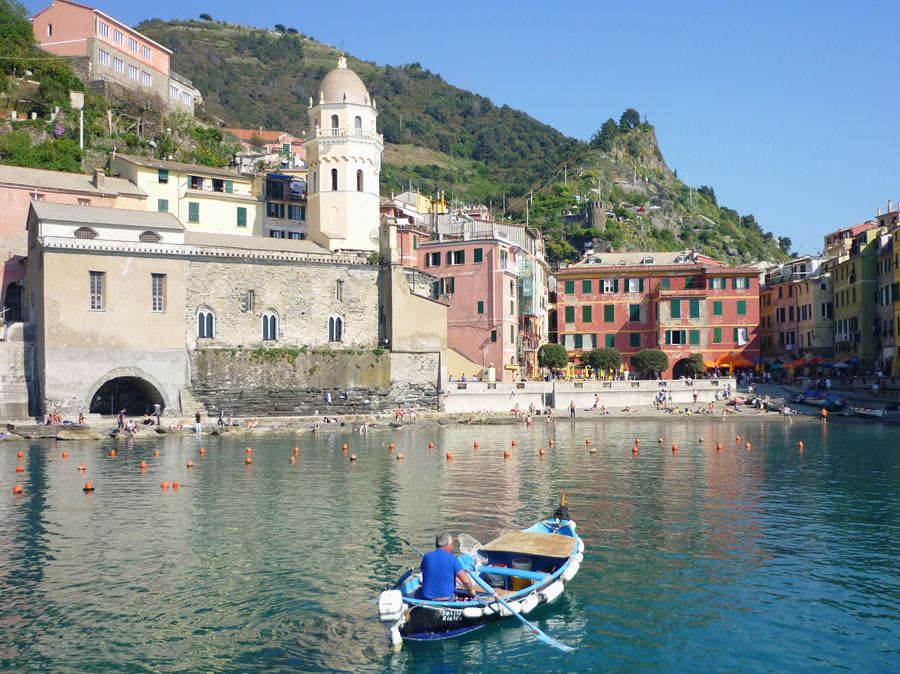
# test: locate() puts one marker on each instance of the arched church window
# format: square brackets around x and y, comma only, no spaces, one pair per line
[85,233]
[335,122]
[270,325]
[335,329]
[206,324]
[357,122]
[334,182]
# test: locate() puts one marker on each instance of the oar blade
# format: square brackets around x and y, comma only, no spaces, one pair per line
[547,639]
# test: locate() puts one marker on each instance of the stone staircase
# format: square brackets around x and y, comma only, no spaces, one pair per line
[16,354]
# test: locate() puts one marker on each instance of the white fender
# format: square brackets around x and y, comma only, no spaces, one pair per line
[571,570]
[472,612]
[505,612]
[529,603]
[490,609]
[578,558]
[552,591]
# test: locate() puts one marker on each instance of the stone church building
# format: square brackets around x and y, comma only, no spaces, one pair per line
[130,309]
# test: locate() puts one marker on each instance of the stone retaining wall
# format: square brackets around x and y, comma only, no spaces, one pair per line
[282,382]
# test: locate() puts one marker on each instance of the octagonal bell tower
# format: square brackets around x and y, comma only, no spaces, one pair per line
[343,154]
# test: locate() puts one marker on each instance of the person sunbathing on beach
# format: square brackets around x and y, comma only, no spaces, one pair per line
[251,424]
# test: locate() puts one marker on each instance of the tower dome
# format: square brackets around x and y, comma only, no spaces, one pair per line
[342,85]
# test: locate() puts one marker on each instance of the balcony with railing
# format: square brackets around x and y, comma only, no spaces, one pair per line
[344,132]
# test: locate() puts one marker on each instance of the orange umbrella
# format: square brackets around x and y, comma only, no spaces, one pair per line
[741,361]
[709,363]
[725,359]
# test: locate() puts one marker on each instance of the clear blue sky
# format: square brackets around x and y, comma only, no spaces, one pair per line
[789,110]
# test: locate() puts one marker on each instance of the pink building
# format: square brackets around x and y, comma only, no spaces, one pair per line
[20,186]
[105,50]
[479,279]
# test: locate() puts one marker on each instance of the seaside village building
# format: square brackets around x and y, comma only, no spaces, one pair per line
[681,303]
[106,53]
[170,302]
[493,277]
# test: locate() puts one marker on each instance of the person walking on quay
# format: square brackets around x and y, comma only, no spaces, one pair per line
[157,412]
[572,409]
[121,420]
[197,426]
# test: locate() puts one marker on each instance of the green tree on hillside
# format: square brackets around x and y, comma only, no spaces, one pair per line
[629,119]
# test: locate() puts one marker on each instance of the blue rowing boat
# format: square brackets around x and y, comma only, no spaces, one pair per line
[516,572]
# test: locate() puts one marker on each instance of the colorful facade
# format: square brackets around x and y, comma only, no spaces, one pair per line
[204,199]
[680,303]
[855,287]
[104,49]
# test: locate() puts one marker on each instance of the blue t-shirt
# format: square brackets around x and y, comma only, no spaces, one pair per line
[439,569]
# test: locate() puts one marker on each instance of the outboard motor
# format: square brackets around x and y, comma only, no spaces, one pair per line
[390,611]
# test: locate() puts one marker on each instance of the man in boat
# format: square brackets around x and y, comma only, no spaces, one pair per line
[441,569]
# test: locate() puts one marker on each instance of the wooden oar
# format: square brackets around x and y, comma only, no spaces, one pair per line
[539,635]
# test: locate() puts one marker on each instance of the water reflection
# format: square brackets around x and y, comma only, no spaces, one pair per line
[697,560]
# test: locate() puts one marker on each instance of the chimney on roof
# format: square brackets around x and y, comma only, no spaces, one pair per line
[890,205]
[99,178]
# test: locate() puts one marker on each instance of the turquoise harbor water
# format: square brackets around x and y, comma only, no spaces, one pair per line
[767,560]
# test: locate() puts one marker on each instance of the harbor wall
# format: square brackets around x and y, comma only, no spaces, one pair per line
[468,397]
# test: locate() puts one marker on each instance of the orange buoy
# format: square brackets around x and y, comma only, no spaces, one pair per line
[800,445]
[475,444]
[164,484]
[719,448]
[399,457]
[345,446]
[514,443]
[737,438]
[660,440]
[65,454]
[88,487]
[391,445]
[634,450]
[143,464]
[248,460]
[637,441]
[174,485]
[18,489]
[249,450]
[542,452]
[587,441]
[112,452]
[391,449]
[202,452]
[81,468]
[450,456]
[296,450]
[353,457]
[747,446]
[20,469]
[551,442]
[155,452]
[20,454]
[430,445]
[190,464]
[292,459]
[505,453]
[674,449]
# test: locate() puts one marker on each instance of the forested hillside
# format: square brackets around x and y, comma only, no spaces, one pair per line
[614,192]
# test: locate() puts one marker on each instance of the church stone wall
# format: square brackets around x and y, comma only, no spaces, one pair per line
[304,296]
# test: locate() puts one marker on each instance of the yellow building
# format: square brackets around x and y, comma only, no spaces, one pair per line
[204,199]
[855,283]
